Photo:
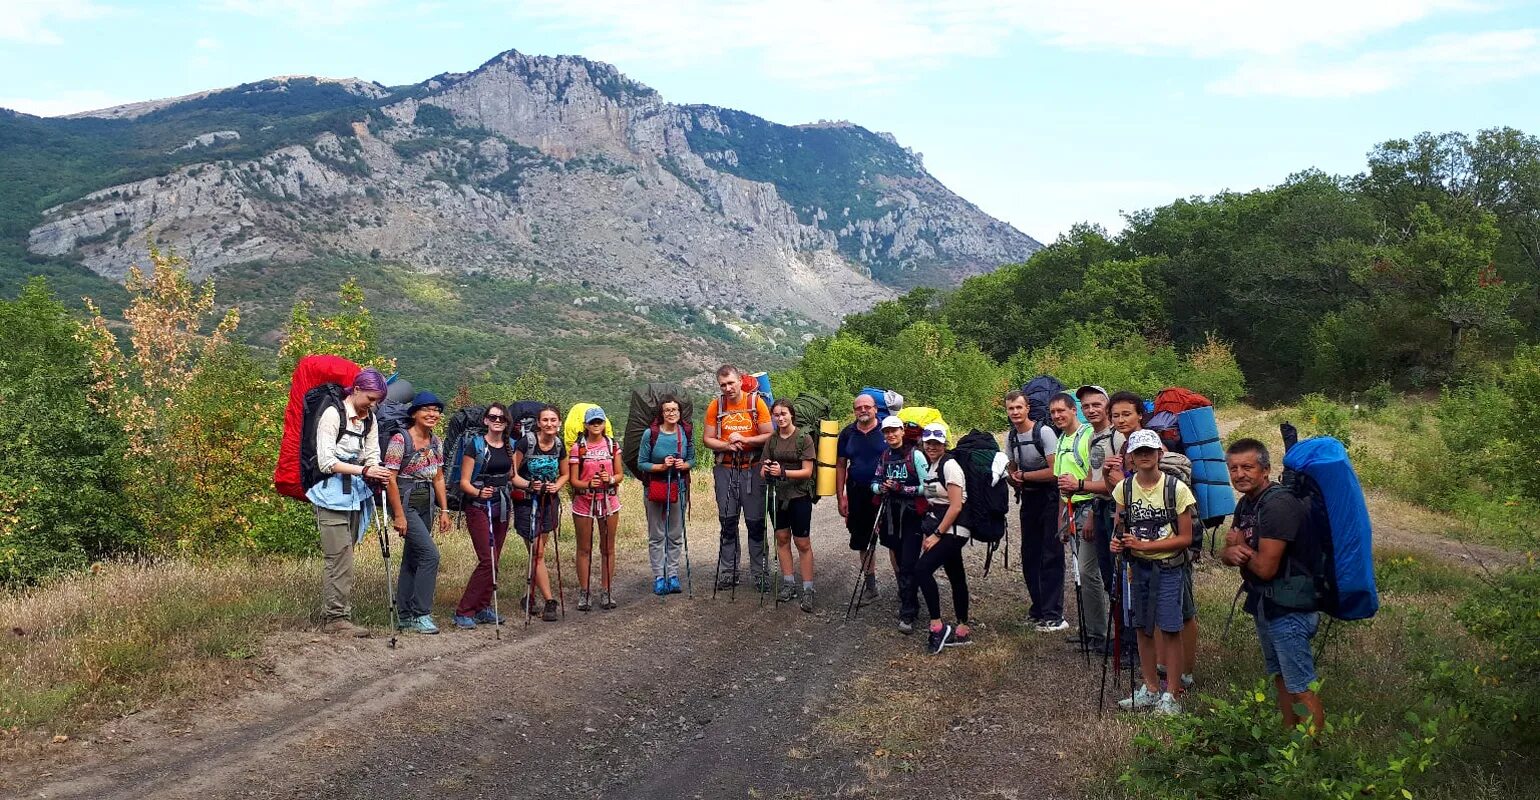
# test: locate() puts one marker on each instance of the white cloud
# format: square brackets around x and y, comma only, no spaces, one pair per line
[865,42]
[1452,59]
[64,103]
[32,21]
[304,13]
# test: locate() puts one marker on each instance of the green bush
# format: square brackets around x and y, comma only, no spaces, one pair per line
[1506,615]
[1238,750]
[1082,354]
[63,469]
[1319,416]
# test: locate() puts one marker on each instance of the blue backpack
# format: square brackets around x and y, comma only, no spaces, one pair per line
[1319,473]
[888,402]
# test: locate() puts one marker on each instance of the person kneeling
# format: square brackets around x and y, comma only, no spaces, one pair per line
[1155,513]
[945,493]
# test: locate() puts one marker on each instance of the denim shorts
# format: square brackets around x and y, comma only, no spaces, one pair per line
[1158,596]
[1285,640]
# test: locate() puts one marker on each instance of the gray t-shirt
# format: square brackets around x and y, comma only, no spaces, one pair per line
[1104,445]
[1023,447]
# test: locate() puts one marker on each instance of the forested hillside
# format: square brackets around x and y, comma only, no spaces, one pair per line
[1419,271]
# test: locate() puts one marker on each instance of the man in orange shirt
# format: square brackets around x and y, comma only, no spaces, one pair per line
[736,425]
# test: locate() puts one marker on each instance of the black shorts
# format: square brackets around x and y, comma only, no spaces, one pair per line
[796,515]
[863,515]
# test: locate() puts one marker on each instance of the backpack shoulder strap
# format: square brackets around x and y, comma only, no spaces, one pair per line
[1170,484]
[1037,440]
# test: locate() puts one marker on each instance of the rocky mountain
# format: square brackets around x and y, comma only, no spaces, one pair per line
[533,168]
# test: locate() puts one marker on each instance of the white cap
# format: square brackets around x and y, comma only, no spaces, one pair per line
[1144,439]
[934,432]
[892,421]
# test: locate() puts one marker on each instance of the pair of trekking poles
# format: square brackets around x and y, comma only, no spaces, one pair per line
[673,481]
[535,518]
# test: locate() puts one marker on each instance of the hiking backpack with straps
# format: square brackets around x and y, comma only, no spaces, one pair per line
[888,401]
[642,417]
[317,400]
[465,428]
[1170,477]
[1040,391]
[310,372]
[988,497]
[1319,474]
[807,411]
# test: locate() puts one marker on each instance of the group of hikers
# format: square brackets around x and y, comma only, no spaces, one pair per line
[1089,485]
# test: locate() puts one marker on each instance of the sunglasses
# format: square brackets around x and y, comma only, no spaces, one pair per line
[495,418]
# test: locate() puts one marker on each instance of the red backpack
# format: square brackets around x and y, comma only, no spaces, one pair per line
[309,373]
[1176,400]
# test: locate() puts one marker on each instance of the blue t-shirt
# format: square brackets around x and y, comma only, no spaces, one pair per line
[862,450]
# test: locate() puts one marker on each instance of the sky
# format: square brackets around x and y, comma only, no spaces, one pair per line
[1044,114]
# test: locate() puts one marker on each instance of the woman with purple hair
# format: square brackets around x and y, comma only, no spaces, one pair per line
[348,455]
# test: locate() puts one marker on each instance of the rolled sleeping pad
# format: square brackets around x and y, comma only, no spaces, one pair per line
[828,445]
[1210,476]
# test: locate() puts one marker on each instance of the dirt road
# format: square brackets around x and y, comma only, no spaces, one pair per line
[658,698]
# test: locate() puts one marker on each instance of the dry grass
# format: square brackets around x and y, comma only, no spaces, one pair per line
[127,636]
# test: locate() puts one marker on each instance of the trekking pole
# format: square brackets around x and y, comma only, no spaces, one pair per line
[529,546]
[768,585]
[668,514]
[1114,624]
[497,627]
[1128,617]
[684,530]
[868,557]
[383,528]
[561,596]
[1074,560]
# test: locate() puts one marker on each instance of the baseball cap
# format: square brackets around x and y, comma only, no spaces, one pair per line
[1090,387]
[592,414]
[934,432]
[1144,439]
[892,421]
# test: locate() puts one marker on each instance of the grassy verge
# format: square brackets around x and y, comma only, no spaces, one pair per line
[128,636]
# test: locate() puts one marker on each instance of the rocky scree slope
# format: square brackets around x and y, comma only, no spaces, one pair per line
[536,168]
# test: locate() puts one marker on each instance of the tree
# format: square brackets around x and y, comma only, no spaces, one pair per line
[63,470]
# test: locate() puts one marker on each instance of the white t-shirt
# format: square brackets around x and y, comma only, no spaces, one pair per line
[951,473]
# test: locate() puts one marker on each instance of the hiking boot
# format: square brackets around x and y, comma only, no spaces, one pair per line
[464,623]
[424,624]
[726,582]
[1167,706]
[582,603]
[488,617]
[1052,626]
[549,615]
[1142,699]
[345,627]
[906,626]
[606,602]
[939,638]
[869,594]
[762,582]
[960,639]
[807,600]
[673,585]
[1187,681]
[659,587]
[788,592]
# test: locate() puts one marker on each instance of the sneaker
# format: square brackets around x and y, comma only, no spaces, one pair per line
[1052,626]
[869,595]
[464,623]
[606,602]
[424,624]
[487,616]
[960,639]
[726,582]
[549,615]
[582,601]
[1187,681]
[762,583]
[807,600]
[788,592]
[1167,706]
[659,587]
[1142,699]
[938,638]
[673,585]
[906,626]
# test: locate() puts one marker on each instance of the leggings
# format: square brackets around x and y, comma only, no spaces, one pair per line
[946,554]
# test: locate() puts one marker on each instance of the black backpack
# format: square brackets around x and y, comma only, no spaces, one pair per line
[392,418]
[317,400]
[464,426]
[988,499]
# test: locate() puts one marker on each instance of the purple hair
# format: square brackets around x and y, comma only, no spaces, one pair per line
[370,380]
